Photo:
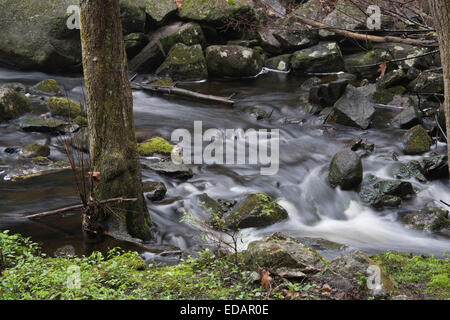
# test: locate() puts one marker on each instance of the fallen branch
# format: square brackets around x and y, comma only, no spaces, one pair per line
[355,35]
[71,208]
[183,93]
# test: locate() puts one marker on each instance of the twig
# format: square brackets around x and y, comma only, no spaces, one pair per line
[448,205]
[399,59]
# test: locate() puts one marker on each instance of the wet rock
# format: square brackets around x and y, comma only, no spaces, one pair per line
[216,11]
[345,170]
[354,108]
[13,104]
[211,205]
[434,167]
[411,169]
[416,141]
[162,40]
[134,43]
[279,253]
[326,94]
[371,197]
[19,87]
[359,143]
[323,57]
[64,107]
[233,61]
[159,10]
[168,168]
[408,118]
[258,113]
[154,191]
[392,78]
[431,219]
[394,188]
[280,63]
[48,87]
[391,201]
[428,82]
[268,42]
[35,150]
[184,63]
[157,145]
[257,210]
[44,125]
[35,169]
[356,264]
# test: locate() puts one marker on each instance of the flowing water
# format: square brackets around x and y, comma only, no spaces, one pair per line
[306,148]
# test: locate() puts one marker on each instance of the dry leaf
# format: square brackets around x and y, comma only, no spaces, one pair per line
[326,287]
[179,3]
[382,69]
[265,278]
[95,176]
[290,294]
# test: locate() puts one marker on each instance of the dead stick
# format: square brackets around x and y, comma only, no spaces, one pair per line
[183,92]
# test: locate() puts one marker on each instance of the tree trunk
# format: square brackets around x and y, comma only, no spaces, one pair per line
[109,101]
[440,10]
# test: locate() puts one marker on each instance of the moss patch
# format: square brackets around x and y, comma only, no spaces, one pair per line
[64,107]
[49,86]
[155,145]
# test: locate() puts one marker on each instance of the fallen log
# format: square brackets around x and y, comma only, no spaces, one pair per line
[182,92]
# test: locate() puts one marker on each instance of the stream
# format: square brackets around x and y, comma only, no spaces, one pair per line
[306,148]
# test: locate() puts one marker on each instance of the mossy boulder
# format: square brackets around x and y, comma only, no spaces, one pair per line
[13,104]
[184,63]
[257,210]
[216,11]
[133,16]
[346,170]
[155,145]
[154,191]
[48,86]
[416,140]
[64,107]
[279,63]
[323,57]
[35,150]
[233,61]
[159,10]
[279,251]
[81,121]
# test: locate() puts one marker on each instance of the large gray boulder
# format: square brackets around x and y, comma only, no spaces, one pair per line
[416,140]
[13,104]
[233,61]
[408,118]
[345,170]
[323,57]
[216,11]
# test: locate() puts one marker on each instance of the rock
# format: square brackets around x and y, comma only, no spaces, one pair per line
[357,264]
[258,113]
[65,252]
[416,140]
[13,104]
[80,140]
[35,169]
[371,197]
[132,14]
[184,63]
[162,40]
[279,253]
[211,206]
[409,170]
[392,201]
[354,108]
[268,41]
[81,121]
[35,150]
[323,57]
[233,61]
[159,10]
[385,96]
[244,43]
[346,170]
[134,43]
[279,63]
[19,87]
[326,94]
[257,210]
[431,219]
[346,16]
[428,82]
[364,64]
[216,11]
[168,168]
[64,107]
[359,143]
[434,167]
[157,145]
[48,86]
[154,191]
[392,78]
[394,188]
[44,125]
[408,118]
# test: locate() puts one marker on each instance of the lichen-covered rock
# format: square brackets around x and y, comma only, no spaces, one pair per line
[279,251]
[408,118]
[428,82]
[345,170]
[233,61]
[184,63]
[371,197]
[159,10]
[279,63]
[392,78]
[13,104]
[48,86]
[64,107]
[431,219]
[394,188]
[44,125]
[354,108]
[364,64]
[155,145]
[323,57]
[216,11]
[154,191]
[257,210]
[416,140]
[35,150]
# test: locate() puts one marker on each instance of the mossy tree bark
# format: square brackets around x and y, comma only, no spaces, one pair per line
[440,10]
[109,101]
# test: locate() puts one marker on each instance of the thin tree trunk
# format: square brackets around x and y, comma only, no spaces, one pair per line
[113,149]
[440,10]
